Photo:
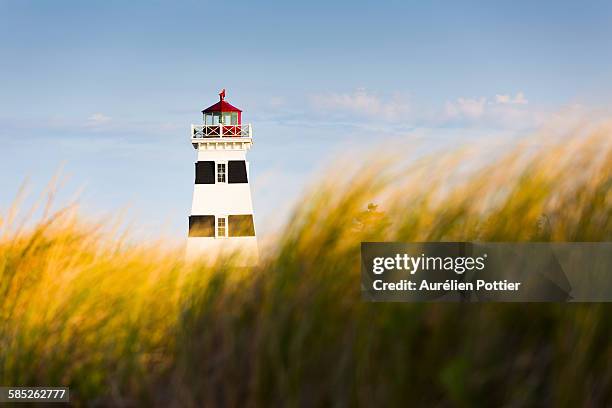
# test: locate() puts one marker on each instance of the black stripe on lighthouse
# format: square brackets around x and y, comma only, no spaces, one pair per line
[205,172]
[202,226]
[236,171]
[241,225]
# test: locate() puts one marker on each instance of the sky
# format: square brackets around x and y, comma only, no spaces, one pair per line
[105,91]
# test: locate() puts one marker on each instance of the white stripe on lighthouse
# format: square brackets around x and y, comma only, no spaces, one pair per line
[221,199]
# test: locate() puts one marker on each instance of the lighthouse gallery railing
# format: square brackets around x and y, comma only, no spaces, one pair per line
[205,131]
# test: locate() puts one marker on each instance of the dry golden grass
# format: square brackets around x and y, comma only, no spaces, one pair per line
[126,324]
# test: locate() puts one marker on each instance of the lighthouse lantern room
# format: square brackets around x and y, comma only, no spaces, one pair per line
[221,218]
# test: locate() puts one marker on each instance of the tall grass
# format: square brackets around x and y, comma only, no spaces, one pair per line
[133,325]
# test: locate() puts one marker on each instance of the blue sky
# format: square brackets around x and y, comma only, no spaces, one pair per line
[108,89]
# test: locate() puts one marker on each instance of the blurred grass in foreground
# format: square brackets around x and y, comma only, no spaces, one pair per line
[132,325]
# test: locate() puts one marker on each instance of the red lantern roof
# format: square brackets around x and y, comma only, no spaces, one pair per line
[221,106]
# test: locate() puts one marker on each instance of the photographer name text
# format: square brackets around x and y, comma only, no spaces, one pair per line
[414,264]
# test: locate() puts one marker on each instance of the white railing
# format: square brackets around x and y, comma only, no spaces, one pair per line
[206,131]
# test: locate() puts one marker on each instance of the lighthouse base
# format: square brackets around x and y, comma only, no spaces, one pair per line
[238,251]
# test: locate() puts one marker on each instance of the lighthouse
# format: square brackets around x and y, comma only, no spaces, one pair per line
[221,221]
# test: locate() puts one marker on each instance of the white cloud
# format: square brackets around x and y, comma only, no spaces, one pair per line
[366,108]
[362,103]
[519,99]
[505,111]
[465,107]
[97,119]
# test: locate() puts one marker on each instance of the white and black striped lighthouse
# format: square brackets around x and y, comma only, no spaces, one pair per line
[221,218]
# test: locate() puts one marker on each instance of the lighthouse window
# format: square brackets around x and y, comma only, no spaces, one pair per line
[205,172]
[241,226]
[202,226]
[230,118]
[236,171]
[221,227]
[220,172]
